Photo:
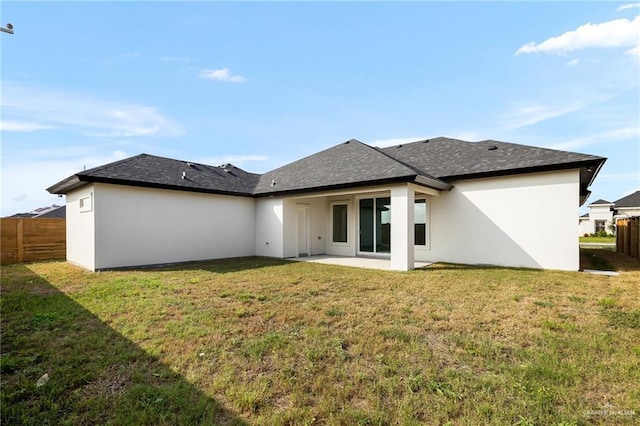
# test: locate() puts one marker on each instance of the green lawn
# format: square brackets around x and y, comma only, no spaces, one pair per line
[263,341]
[599,240]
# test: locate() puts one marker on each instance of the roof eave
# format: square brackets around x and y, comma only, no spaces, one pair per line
[525,170]
[417,179]
[66,185]
[585,180]
[141,184]
[78,181]
[438,184]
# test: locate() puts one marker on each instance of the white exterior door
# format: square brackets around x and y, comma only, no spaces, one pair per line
[303,230]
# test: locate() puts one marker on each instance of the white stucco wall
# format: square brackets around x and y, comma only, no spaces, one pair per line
[525,220]
[585,226]
[141,226]
[317,225]
[628,211]
[269,237]
[80,229]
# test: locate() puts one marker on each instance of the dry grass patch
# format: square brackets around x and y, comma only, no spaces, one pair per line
[271,342]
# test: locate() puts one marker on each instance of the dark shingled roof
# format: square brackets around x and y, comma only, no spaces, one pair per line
[346,165]
[433,163]
[158,172]
[600,201]
[56,213]
[631,200]
[452,159]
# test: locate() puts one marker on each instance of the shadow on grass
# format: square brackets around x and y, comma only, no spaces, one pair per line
[607,259]
[468,267]
[216,266]
[96,376]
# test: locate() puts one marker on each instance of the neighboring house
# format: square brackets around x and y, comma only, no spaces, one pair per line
[48,212]
[598,219]
[434,200]
[627,206]
[602,214]
[21,216]
[56,212]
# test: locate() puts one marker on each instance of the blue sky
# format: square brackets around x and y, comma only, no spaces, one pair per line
[264,84]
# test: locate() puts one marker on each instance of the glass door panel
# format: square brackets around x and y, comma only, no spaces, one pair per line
[375,225]
[366,225]
[383,225]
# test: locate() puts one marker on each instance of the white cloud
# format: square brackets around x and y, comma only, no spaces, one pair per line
[620,177]
[223,74]
[25,179]
[236,160]
[634,51]
[79,113]
[623,133]
[616,33]
[573,62]
[528,114]
[22,126]
[629,6]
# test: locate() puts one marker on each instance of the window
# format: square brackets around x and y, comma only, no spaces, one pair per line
[339,223]
[420,222]
[85,204]
[600,225]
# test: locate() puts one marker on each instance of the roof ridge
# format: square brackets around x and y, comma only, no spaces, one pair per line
[111,164]
[409,166]
[124,160]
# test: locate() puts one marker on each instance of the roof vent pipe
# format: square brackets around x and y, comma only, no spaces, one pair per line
[184,175]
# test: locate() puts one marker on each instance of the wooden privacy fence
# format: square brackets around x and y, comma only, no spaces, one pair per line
[628,236]
[26,240]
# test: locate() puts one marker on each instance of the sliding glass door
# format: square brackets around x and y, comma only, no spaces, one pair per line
[375,225]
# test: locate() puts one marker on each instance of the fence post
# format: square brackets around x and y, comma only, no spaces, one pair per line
[633,241]
[20,239]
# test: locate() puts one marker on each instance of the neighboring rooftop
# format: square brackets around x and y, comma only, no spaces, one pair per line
[631,200]
[601,202]
[48,212]
[434,163]
[57,212]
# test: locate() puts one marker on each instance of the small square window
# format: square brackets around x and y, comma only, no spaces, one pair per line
[86,204]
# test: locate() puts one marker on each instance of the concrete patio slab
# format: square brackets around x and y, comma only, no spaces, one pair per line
[355,262]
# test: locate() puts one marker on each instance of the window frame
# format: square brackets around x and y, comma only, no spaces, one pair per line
[333,204]
[427,226]
[85,204]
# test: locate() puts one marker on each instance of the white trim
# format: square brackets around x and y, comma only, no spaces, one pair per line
[427,230]
[86,203]
[373,196]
